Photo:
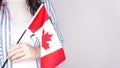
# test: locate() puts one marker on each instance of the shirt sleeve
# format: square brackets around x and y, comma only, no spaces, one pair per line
[53,19]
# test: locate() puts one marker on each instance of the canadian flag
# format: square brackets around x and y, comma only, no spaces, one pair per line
[52,53]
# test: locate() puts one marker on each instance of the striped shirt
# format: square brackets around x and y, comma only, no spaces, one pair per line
[5,31]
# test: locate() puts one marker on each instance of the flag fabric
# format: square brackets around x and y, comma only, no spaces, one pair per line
[52,53]
[50,10]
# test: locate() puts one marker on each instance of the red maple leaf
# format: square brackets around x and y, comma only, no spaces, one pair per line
[45,38]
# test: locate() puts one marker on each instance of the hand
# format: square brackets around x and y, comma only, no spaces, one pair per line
[23,51]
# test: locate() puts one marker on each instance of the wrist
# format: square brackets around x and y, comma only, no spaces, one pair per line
[38,52]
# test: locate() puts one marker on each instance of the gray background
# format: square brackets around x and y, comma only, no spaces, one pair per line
[91,30]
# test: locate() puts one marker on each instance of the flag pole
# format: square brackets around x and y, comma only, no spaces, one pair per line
[17,43]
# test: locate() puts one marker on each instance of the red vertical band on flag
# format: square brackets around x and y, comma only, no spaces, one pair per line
[53,59]
[39,20]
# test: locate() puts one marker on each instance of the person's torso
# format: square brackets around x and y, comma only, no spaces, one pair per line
[20,18]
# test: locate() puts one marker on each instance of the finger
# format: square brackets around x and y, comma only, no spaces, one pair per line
[17,56]
[14,47]
[19,59]
[14,52]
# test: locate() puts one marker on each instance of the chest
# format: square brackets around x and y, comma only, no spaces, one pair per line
[20,19]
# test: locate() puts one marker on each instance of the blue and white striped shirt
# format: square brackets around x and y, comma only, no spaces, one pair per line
[5,30]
